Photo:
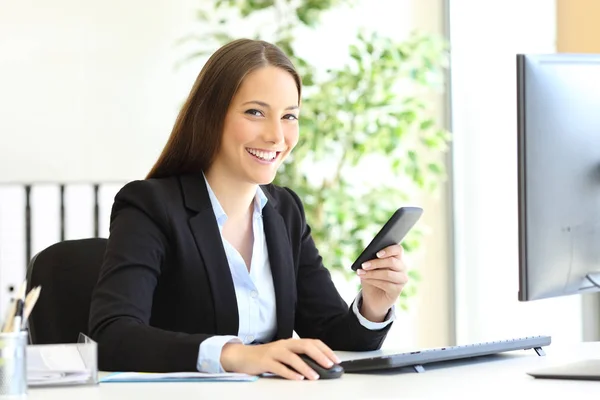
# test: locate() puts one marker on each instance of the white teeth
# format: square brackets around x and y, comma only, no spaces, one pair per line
[265,155]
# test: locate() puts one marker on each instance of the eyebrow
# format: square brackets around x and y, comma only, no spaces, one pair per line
[265,105]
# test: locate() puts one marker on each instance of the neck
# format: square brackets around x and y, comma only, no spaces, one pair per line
[234,195]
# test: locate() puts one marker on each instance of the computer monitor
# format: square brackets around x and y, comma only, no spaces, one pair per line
[559,174]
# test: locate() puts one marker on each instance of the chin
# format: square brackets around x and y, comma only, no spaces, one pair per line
[259,175]
[262,179]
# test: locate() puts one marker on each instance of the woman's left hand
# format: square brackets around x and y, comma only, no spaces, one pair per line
[382,281]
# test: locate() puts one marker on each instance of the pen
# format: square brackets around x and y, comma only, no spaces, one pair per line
[32,298]
[16,325]
[9,323]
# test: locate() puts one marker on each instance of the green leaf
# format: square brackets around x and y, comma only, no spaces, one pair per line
[250,6]
[202,15]
[355,53]
[413,274]
[435,168]
[412,155]
[426,124]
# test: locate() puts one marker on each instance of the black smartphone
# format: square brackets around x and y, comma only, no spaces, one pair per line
[394,230]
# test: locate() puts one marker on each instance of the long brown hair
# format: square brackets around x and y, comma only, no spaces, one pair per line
[197,132]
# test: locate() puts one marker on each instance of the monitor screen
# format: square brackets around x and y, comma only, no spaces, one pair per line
[559,174]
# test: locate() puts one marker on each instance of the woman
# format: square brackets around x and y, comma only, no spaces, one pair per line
[211,267]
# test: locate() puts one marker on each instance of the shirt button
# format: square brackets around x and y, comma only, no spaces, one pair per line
[254,294]
[249,339]
[205,365]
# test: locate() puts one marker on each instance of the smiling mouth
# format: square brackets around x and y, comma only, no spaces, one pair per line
[263,155]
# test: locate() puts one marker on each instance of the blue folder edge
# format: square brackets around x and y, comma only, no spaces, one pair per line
[106,379]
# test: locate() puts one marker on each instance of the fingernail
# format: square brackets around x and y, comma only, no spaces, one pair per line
[380,253]
[360,272]
[366,265]
[329,363]
[315,376]
[337,360]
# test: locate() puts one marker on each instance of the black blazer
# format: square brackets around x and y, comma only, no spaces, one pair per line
[165,284]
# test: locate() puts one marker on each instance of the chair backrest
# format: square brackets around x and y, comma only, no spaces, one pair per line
[67,272]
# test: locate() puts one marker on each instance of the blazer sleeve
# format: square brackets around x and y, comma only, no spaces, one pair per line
[321,312]
[122,300]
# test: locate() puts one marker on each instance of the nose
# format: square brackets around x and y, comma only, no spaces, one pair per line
[274,132]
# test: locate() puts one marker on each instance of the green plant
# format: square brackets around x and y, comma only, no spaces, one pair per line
[371,114]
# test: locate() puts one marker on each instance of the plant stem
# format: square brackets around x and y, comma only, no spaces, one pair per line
[345,150]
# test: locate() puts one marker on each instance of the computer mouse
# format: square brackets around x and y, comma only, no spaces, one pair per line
[333,372]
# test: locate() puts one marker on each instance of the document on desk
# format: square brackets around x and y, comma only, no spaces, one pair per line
[49,365]
[176,377]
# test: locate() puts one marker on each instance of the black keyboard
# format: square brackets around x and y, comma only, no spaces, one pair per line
[417,359]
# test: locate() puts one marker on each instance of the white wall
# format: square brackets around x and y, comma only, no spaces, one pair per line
[486,36]
[89,89]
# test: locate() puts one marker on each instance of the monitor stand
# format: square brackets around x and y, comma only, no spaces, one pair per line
[588,370]
[594,280]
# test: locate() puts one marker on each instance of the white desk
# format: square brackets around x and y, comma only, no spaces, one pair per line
[503,375]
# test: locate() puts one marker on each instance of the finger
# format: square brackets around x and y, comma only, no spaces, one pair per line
[327,351]
[278,368]
[311,348]
[291,359]
[383,285]
[320,353]
[390,251]
[394,263]
[387,275]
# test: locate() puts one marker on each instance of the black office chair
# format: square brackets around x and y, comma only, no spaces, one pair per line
[67,272]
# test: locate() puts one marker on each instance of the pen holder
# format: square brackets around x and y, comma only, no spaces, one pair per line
[13,365]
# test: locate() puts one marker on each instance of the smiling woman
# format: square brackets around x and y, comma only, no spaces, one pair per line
[211,267]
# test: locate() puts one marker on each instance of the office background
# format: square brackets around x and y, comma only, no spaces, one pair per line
[89,92]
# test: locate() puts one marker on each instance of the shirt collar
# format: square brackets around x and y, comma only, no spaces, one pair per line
[260,200]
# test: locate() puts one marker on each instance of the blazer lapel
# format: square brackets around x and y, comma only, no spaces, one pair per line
[208,239]
[282,268]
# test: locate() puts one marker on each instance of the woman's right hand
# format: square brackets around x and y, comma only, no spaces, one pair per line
[277,358]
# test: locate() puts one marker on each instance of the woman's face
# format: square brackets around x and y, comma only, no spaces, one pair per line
[261,126]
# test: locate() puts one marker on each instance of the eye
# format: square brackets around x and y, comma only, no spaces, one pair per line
[254,112]
[290,117]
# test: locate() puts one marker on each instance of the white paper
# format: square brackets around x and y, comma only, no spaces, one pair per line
[54,365]
[192,376]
